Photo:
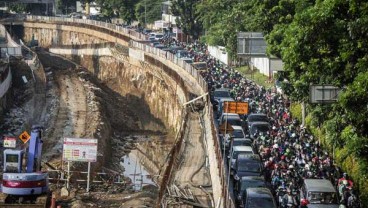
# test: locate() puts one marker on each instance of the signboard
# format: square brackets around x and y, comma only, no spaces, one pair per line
[24,137]
[235,107]
[79,149]
[323,93]
[251,44]
[228,128]
[10,142]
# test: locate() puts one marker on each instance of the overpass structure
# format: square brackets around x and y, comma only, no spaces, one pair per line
[49,32]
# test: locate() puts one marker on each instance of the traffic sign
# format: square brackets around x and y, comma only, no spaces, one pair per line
[24,137]
[10,142]
[228,128]
[235,107]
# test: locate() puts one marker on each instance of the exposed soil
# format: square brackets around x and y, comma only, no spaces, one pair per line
[75,104]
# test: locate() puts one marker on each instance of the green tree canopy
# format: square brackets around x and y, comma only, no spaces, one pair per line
[188,19]
[124,9]
[148,10]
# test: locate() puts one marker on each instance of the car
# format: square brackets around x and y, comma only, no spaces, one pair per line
[242,142]
[237,133]
[248,182]
[236,150]
[319,193]
[220,105]
[181,53]
[258,127]
[159,36]
[256,117]
[247,165]
[200,66]
[154,43]
[187,60]
[259,197]
[231,118]
[146,31]
[166,49]
[174,49]
[160,46]
[221,93]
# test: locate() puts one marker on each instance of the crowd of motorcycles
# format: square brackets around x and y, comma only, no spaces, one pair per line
[288,151]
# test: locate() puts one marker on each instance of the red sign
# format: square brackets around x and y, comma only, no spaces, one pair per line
[10,142]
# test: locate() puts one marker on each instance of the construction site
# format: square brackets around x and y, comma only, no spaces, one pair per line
[152,138]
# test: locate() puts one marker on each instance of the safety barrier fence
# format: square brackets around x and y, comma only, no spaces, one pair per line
[134,42]
[12,48]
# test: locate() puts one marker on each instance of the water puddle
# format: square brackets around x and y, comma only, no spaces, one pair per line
[136,171]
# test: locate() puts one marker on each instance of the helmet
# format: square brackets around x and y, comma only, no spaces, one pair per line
[304,202]
[344,174]
[291,167]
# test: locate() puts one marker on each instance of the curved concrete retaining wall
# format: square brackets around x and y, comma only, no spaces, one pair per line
[51,31]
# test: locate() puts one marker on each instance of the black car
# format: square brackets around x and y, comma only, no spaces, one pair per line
[259,197]
[256,117]
[248,182]
[258,127]
[174,49]
[247,165]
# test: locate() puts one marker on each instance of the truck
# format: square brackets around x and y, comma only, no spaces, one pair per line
[25,186]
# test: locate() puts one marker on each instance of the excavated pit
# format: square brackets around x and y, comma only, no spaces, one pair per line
[128,128]
[134,132]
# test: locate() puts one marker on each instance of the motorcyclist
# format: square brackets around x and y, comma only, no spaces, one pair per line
[288,200]
[345,177]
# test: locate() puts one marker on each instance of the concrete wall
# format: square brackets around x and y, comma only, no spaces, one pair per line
[220,53]
[162,101]
[262,64]
[158,81]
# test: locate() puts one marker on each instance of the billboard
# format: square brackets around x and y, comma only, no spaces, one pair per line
[323,93]
[79,149]
[251,44]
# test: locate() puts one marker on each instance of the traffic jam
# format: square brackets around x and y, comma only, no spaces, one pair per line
[273,160]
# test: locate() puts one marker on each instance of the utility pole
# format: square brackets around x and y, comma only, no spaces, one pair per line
[145,13]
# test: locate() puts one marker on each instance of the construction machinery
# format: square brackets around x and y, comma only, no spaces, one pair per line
[25,186]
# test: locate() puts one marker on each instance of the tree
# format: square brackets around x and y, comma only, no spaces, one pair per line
[148,10]
[188,19]
[124,9]
[64,5]
[223,19]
